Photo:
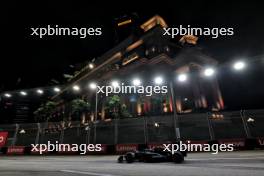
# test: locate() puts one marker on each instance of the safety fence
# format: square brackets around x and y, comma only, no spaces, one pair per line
[233,126]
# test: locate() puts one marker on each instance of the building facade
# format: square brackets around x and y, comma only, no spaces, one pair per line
[145,55]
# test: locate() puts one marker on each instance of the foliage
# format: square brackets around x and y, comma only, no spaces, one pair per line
[44,112]
[79,106]
[113,105]
[116,109]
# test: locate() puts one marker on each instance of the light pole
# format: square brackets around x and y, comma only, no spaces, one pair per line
[95,115]
[138,82]
[175,115]
[210,127]
[183,77]
[159,80]
[115,84]
[94,87]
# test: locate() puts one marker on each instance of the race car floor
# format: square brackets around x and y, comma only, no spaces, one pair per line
[242,163]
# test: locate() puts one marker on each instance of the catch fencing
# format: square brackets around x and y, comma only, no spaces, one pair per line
[143,130]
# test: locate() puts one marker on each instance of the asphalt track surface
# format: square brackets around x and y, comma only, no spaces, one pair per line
[242,163]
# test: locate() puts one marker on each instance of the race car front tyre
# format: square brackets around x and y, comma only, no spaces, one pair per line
[120,159]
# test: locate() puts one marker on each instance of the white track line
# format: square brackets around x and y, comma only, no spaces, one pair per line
[87,173]
[235,158]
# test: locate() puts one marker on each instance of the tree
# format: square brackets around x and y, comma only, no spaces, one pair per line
[116,109]
[79,107]
[113,104]
[45,111]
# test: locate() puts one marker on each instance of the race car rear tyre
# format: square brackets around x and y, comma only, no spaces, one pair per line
[177,157]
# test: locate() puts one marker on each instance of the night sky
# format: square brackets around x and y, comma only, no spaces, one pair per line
[28,61]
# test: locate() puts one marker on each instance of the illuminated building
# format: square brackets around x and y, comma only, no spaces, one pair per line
[148,54]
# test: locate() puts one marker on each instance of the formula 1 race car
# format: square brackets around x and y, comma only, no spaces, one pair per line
[152,156]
